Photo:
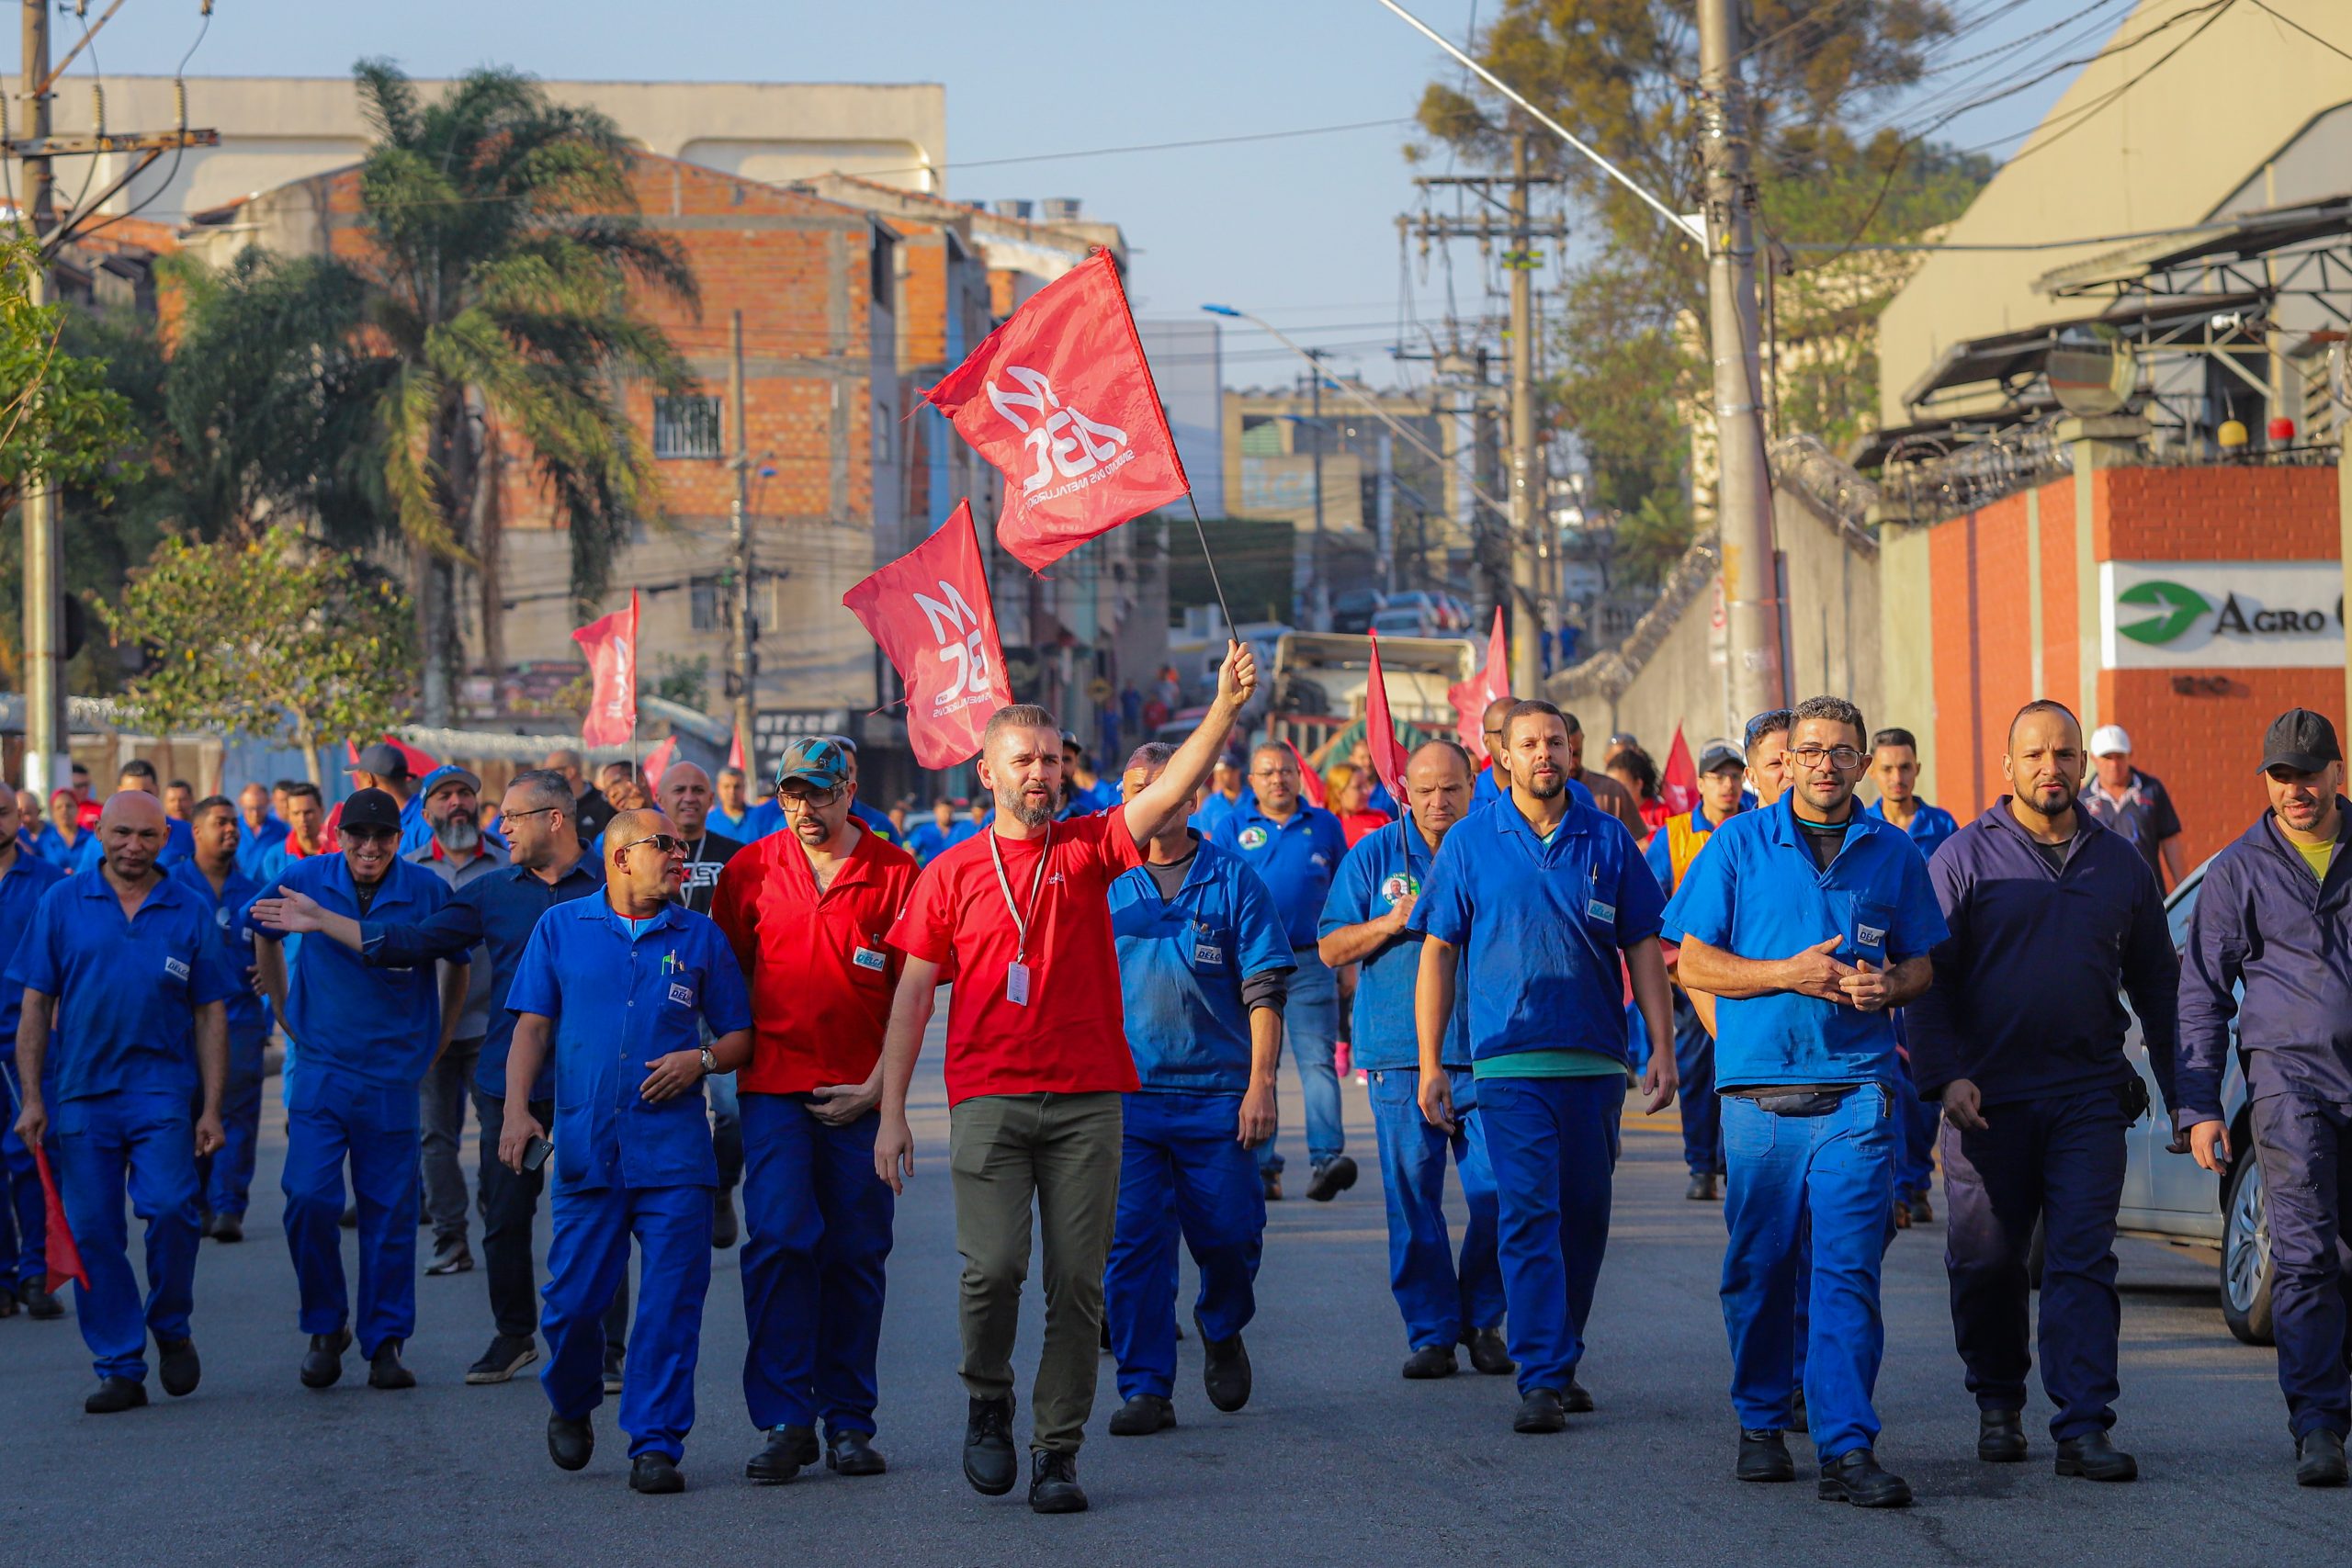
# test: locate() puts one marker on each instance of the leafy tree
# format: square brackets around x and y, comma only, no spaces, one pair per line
[268,637]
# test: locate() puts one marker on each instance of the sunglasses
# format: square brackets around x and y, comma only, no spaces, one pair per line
[369,835]
[665,843]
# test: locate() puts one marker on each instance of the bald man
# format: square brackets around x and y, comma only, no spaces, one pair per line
[686,797]
[590,810]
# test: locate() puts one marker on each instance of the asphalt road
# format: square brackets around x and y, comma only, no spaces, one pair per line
[1337,1459]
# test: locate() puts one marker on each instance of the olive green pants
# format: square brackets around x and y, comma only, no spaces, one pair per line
[1060,1150]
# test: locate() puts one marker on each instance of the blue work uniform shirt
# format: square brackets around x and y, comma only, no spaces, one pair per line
[497,914]
[254,844]
[248,1012]
[377,1026]
[1298,858]
[726,824]
[1930,825]
[21,889]
[1756,893]
[1182,962]
[927,839]
[1387,865]
[126,990]
[617,1002]
[1540,927]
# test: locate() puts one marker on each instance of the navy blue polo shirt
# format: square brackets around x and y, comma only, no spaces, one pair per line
[1297,857]
[618,1002]
[376,1025]
[1387,865]
[1930,825]
[497,913]
[248,1013]
[1756,893]
[1182,962]
[126,990]
[27,879]
[1540,926]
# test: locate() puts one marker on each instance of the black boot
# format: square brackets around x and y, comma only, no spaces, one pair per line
[2094,1457]
[1142,1415]
[384,1369]
[572,1444]
[2319,1458]
[114,1395]
[40,1305]
[179,1369]
[1053,1484]
[787,1451]
[1855,1477]
[1225,1370]
[2000,1435]
[990,1464]
[1764,1456]
[655,1475]
[1539,1411]
[1489,1354]
[1575,1399]
[323,1368]
[229,1227]
[1333,1177]
[852,1453]
[1431,1362]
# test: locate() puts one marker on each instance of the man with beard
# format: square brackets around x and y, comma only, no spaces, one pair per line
[461,855]
[685,799]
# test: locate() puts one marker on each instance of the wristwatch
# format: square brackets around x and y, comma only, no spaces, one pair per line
[709,1062]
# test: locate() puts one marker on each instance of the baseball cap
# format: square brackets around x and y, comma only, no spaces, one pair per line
[817,759]
[383,760]
[2300,739]
[1717,752]
[370,808]
[2109,740]
[447,772]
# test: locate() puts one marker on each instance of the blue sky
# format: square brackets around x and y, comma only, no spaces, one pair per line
[1300,229]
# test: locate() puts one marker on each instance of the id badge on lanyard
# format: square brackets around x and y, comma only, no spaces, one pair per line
[1016,974]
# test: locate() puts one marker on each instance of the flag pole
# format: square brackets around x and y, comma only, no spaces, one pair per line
[1231,630]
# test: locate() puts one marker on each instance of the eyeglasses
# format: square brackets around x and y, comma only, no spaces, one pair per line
[1845,758]
[812,800]
[663,843]
[534,811]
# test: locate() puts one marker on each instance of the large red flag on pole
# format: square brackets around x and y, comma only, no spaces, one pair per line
[930,611]
[1678,785]
[61,1252]
[1061,400]
[610,643]
[1380,732]
[1471,698]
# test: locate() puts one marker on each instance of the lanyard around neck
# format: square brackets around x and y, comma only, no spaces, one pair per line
[1036,885]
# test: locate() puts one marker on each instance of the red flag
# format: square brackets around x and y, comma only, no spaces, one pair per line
[419,765]
[930,611]
[735,753]
[1310,782]
[63,1257]
[658,760]
[1471,698]
[610,643]
[1678,785]
[1380,732]
[1061,400]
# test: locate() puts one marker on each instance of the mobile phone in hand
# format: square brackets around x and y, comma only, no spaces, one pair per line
[536,1152]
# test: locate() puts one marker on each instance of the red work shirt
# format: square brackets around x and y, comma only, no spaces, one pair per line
[821,976]
[1070,1038]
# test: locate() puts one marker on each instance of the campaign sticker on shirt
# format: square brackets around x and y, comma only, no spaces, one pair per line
[176,968]
[1208,953]
[1606,913]
[1400,887]
[1253,838]
[866,958]
[683,995]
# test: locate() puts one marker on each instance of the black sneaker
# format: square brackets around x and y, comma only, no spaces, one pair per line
[1855,1477]
[2000,1435]
[115,1396]
[1540,1412]
[572,1444]
[655,1475]
[1333,1177]
[322,1367]
[450,1257]
[990,1464]
[1143,1416]
[385,1371]
[724,1226]
[787,1451]
[1430,1361]
[1053,1484]
[852,1453]
[177,1368]
[2319,1458]
[1225,1370]
[1764,1456]
[1489,1354]
[508,1354]
[615,1363]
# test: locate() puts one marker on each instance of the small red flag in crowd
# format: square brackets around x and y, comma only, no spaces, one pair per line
[418,762]
[62,1254]
[735,752]
[658,760]
[1061,400]
[610,643]
[1380,732]
[1471,698]
[1310,782]
[1679,784]
[930,611]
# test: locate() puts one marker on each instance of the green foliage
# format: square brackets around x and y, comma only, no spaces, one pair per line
[59,421]
[683,680]
[267,637]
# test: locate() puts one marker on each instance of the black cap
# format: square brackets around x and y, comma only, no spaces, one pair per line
[370,808]
[2300,739]
[383,760]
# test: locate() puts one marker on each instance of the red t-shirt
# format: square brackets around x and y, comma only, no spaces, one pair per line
[822,979]
[1070,1038]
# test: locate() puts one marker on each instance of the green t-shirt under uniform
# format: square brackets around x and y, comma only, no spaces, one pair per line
[1547,1064]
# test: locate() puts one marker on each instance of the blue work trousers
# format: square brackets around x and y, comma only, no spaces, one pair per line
[726,1128]
[2305,1147]
[1702,1112]
[1310,1037]
[2059,1161]
[227,1175]
[144,1142]
[1832,1178]
[816,1236]
[1182,1170]
[1443,1302]
[334,1118]
[1552,1143]
[587,1260]
[1914,1160]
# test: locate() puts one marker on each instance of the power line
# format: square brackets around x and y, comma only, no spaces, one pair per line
[2299,27]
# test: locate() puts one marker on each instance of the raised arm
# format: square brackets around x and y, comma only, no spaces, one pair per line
[1169,796]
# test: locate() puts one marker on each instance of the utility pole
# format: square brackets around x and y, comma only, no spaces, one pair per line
[1318,592]
[1744,486]
[743,662]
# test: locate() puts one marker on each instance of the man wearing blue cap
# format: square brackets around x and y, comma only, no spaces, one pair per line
[768,817]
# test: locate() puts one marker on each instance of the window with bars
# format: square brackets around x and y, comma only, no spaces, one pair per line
[688,426]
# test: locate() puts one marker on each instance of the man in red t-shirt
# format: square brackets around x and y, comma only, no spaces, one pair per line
[1018,917]
[806,910]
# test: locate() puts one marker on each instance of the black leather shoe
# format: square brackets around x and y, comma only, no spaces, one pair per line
[854,1453]
[40,1305]
[508,1354]
[1142,1415]
[1764,1456]
[1575,1399]
[1702,1190]
[1333,1177]
[1855,1477]
[1431,1362]
[384,1369]
[2094,1457]
[1225,1370]
[323,1368]
[2000,1435]
[990,1464]
[1489,1354]
[572,1444]
[229,1227]
[655,1475]
[1540,1411]
[1053,1484]
[787,1451]
[115,1396]
[178,1369]
[2319,1458]
[724,1226]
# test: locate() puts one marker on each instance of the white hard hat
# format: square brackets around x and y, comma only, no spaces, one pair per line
[2109,740]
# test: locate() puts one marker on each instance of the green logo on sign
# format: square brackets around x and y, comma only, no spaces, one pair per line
[2182,607]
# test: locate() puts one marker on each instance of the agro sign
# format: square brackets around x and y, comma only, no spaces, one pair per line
[2221,615]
